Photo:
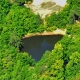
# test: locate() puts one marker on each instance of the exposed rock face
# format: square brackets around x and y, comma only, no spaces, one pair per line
[58,2]
[45,7]
[55,32]
[38,2]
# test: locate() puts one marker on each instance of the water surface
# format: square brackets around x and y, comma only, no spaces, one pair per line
[37,45]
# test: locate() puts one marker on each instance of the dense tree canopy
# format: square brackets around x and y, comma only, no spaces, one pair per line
[4,9]
[62,63]
[59,19]
[74,11]
[21,2]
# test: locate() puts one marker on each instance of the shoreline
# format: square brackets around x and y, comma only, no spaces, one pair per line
[45,33]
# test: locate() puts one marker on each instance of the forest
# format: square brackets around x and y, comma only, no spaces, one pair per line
[62,63]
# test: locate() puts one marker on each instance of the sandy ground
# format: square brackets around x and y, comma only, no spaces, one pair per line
[58,2]
[47,8]
[55,32]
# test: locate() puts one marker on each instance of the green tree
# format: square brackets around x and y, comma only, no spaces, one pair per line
[23,20]
[4,9]
[60,19]
[50,67]
[15,40]
[74,11]
[73,66]
[21,2]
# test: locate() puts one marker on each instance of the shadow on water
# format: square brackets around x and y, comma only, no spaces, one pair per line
[37,45]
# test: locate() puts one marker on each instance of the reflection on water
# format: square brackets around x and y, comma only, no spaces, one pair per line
[37,45]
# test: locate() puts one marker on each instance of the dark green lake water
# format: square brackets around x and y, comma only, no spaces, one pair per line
[37,45]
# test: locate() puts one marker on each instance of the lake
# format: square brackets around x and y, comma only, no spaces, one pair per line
[37,45]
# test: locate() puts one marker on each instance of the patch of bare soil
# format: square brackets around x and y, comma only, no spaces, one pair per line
[55,32]
[45,8]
